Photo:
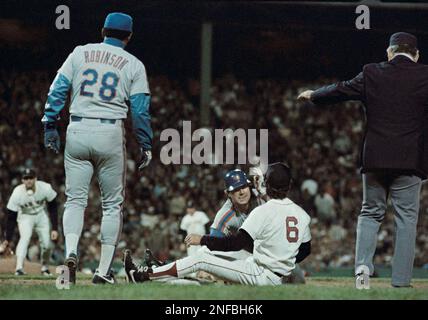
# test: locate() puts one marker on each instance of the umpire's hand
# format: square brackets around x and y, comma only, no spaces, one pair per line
[305,95]
[146,157]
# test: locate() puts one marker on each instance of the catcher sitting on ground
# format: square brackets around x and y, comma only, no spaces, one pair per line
[277,233]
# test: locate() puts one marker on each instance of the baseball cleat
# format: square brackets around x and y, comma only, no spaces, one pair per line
[134,273]
[150,260]
[46,272]
[129,265]
[20,272]
[103,279]
[402,286]
[71,264]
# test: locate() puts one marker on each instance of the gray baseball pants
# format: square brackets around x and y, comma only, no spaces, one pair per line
[95,146]
[405,193]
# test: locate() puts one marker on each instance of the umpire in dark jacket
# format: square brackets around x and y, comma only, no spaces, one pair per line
[394,155]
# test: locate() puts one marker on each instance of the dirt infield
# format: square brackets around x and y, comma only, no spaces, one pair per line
[7,266]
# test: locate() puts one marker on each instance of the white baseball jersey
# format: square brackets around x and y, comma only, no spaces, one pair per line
[194,223]
[26,202]
[278,228]
[103,77]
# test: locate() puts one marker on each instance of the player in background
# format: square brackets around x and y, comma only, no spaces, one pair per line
[27,205]
[276,233]
[193,223]
[104,81]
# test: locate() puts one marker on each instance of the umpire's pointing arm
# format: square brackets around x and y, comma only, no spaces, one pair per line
[338,92]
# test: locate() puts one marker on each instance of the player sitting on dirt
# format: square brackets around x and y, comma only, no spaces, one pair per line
[243,195]
[241,199]
[277,233]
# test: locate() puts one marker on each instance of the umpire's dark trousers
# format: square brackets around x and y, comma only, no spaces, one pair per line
[405,192]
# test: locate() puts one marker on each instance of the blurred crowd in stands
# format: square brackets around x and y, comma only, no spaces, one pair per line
[320,144]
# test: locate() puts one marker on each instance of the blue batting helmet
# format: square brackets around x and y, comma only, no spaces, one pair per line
[235,179]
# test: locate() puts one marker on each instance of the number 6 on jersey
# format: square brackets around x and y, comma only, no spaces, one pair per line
[292,231]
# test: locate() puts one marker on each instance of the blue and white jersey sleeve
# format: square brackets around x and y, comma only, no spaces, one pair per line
[139,82]
[58,91]
[224,220]
[140,108]
[67,67]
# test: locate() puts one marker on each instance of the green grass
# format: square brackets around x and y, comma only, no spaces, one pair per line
[30,287]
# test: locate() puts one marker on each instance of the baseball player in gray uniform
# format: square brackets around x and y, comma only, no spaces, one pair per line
[104,79]
[28,206]
[276,233]
[240,201]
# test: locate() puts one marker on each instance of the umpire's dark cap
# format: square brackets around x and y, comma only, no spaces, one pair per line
[403,38]
[28,173]
[278,176]
[235,179]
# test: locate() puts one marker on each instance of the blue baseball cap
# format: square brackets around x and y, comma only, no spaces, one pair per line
[118,21]
[235,179]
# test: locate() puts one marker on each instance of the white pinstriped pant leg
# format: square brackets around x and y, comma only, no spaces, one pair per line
[25,226]
[236,271]
[43,230]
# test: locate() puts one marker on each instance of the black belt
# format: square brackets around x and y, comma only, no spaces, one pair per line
[278,274]
[77,119]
